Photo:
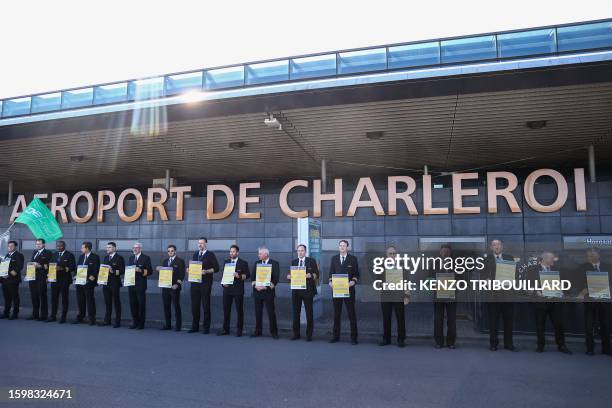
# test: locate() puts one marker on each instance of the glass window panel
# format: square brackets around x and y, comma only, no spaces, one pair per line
[362,61]
[47,102]
[585,36]
[110,93]
[15,107]
[77,98]
[224,77]
[264,72]
[468,49]
[526,43]
[143,89]
[180,83]
[414,55]
[312,67]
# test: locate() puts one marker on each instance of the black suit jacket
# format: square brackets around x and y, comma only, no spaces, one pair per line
[242,268]
[43,259]
[68,264]
[209,260]
[273,279]
[178,269]
[313,268]
[350,267]
[117,264]
[93,266]
[144,262]
[16,264]
[489,265]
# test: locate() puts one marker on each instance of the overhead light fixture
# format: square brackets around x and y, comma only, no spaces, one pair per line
[77,159]
[273,123]
[536,124]
[374,135]
[237,145]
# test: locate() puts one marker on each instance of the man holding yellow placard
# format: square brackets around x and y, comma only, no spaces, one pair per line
[444,301]
[65,267]
[10,283]
[204,265]
[38,287]
[138,292]
[344,264]
[86,300]
[304,292]
[267,274]
[393,301]
[172,295]
[594,286]
[233,290]
[112,288]
[499,266]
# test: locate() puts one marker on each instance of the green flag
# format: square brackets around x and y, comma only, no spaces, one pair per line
[40,221]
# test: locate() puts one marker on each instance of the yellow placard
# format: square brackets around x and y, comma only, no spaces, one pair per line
[394,276]
[52,273]
[4,268]
[598,285]
[446,280]
[81,276]
[129,279]
[298,277]
[30,271]
[165,277]
[550,277]
[340,286]
[263,275]
[103,274]
[228,274]
[505,270]
[195,271]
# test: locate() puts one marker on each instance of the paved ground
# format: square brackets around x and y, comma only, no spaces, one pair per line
[109,367]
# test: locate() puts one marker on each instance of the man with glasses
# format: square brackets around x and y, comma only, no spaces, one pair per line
[138,292]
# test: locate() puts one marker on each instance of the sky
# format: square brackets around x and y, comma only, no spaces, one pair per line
[53,45]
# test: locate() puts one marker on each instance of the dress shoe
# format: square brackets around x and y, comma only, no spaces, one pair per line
[275,336]
[295,337]
[239,333]
[438,346]
[42,319]
[493,348]
[451,346]
[140,328]
[62,320]
[116,325]
[564,350]
[133,326]
[384,343]
[334,340]
[13,317]
[401,343]
[104,324]
[77,321]
[540,350]
[32,318]
[206,331]
[309,338]
[166,328]
[222,333]
[255,335]
[511,348]
[4,316]
[192,330]
[52,319]
[92,322]
[590,353]
[607,353]
[177,329]
[354,342]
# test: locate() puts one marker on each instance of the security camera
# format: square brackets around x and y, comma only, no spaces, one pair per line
[272,122]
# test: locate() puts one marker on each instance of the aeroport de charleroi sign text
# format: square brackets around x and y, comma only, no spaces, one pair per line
[399,189]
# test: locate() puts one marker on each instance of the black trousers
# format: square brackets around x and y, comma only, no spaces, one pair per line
[387,309]
[299,296]
[228,299]
[86,301]
[267,299]
[138,305]
[349,302]
[599,311]
[172,297]
[200,297]
[451,322]
[112,297]
[555,311]
[10,291]
[60,289]
[38,293]
[506,310]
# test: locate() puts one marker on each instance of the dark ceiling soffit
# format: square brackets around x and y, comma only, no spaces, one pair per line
[578,74]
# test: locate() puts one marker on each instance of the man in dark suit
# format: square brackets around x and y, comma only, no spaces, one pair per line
[172,296]
[306,296]
[38,287]
[65,268]
[544,308]
[594,309]
[234,293]
[264,295]
[10,283]
[138,292]
[112,288]
[344,263]
[200,292]
[393,301]
[442,305]
[86,293]
[496,303]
